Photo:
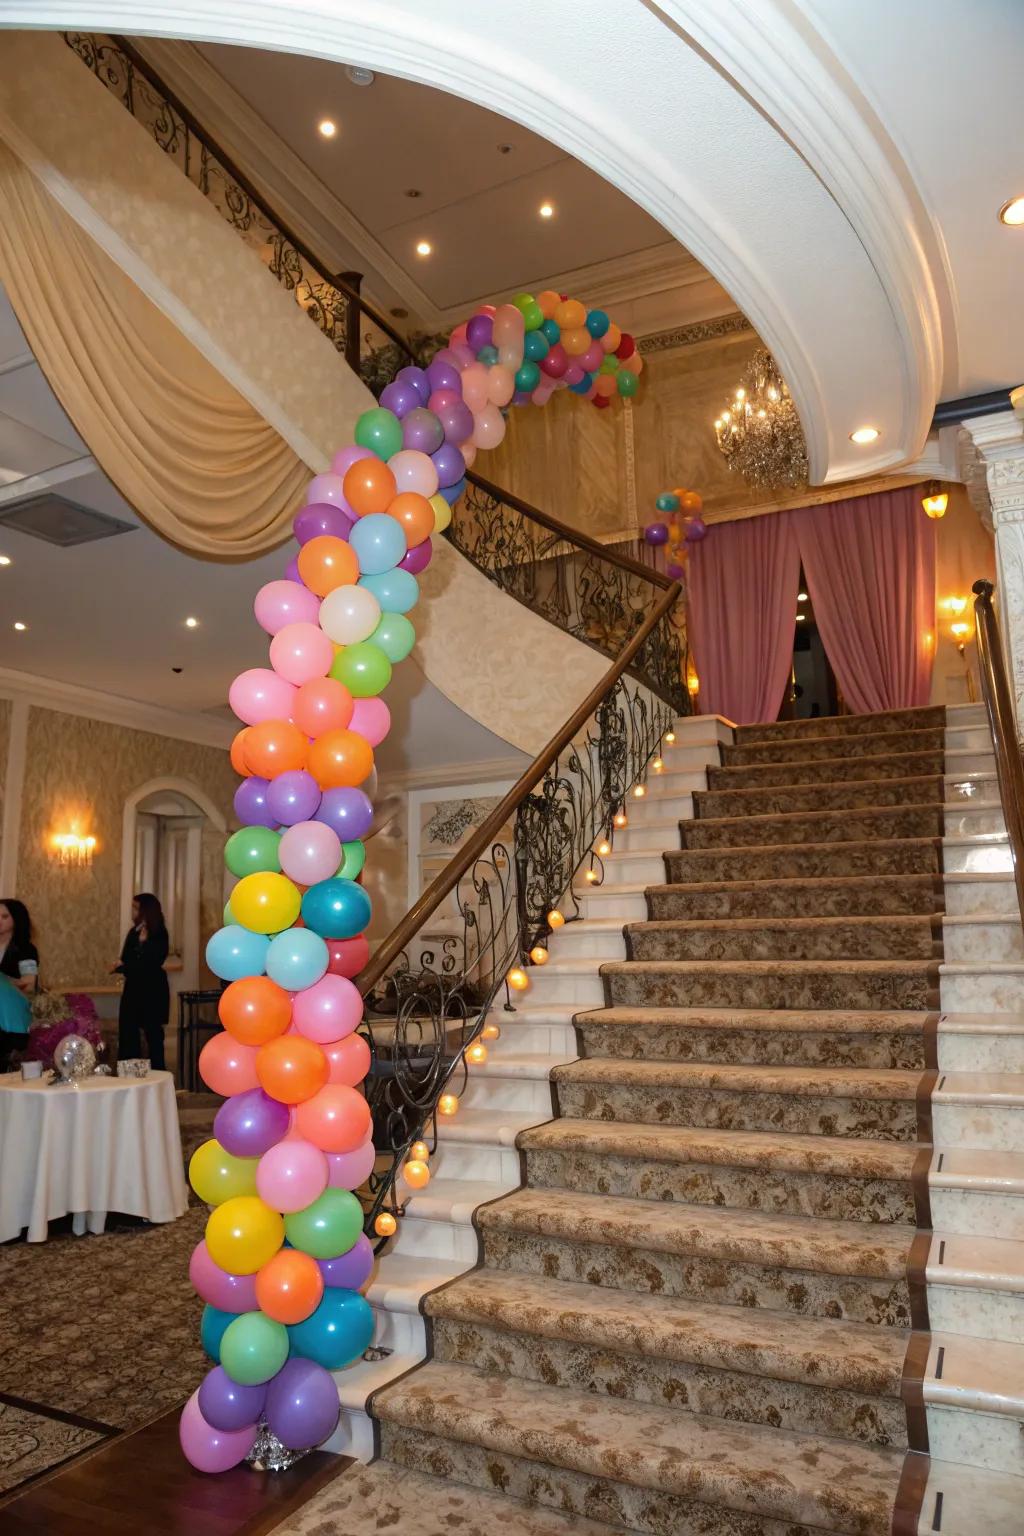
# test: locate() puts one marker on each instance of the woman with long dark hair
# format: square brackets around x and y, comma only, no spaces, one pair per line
[19,963]
[146,999]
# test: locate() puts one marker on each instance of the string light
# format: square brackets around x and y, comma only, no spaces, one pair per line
[385,1225]
[604,848]
[518,979]
[657,765]
[621,819]
[419,1151]
[670,737]
[416,1174]
[591,876]
[447,1104]
[539,955]
[555,919]
[477,1054]
[490,1032]
[639,790]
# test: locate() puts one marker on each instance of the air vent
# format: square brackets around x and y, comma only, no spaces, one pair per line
[58,521]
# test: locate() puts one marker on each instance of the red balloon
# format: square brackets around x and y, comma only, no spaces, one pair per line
[227,1067]
[348,956]
[556,361]
[626,347]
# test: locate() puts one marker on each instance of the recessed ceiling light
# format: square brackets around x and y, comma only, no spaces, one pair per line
[546,210]
[504,149]
[423,248]
[801,597]
[1012,212]
[19,625]
[412,192]
[360,76]
[864,435]
[191,623]
[5,559]
[327,128]
[801,616]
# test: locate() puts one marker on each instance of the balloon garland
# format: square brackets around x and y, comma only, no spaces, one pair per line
[673,537]
[284,1254]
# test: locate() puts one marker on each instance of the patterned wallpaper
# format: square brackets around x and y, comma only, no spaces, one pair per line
[84,770]
[5,733]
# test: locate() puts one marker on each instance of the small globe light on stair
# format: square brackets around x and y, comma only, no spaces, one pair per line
[639,790]
[385,1225]
[419,1152]
[621,819]
[539,955]
[657,765]
[416,1173]
[555,919]
[476,1055]
[591,876]
[670,737]
[604,848]
[517,977]
[447,1104]
[490,1032]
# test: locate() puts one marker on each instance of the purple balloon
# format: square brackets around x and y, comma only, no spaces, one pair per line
[696,528]
[521,397]
[457,421]
[250,1123]
[352,1270]
[400,397]
[228,1405]
[348,811]
[292,797]
[422,431]
[656,533]
[302,1405]
[450,465]
[479,332]
[444,375]
[451,493]
[322,517]
[346,457]
[251,803]
[417,378]
[291,571]
[417,559]
[674,572]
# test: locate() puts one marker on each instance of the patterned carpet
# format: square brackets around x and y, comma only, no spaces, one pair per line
[32,1443]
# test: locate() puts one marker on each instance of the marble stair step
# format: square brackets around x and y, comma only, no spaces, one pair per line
[981,1042]
[807,749]
[795,984]
[510,1081]
[625,900]
[629,868]
[979,1110]
[966,818]
[521,1433]
[396,1292]
[825,1177]
[659,805]
[969,892]
[840,795]
[536,1028]
[979,1192]
[793,1264]
[787,938]
[985,986]
[985,853]
[853,896]
[354,1435]
[928,717]
[559,982]
[826,771]
[810,1375]
[811,861]
[652,833]
[969,1501]
[976,1286]
[600,937]
[974,1399]
[983,936]
[438,1222]
[758,1037]
[850,1101]
[881,824]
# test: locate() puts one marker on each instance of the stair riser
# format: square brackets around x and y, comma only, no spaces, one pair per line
[813,990]
[993,1128]
[988,858]
[828,749]
[794,863]
[975,760]
[844,726]
[654,836]
[633,869]
[975,738]
[827,771]
[841,942]
[877,898]
[404,1333]
[821,797]
[978,992]
[703,1277]
[683,759]
[756,1048]
[971,823]
[550,986]
[978,1314]
[968,898]
[555,1040]
[576,941]
[605,902]
[469,1160]
[449,1240]
[980,1052]
[659,805]
[978,1213]
[485,1091]
[861,827]
[990,1440]
[979,942]
[779,1192]
[680,1385]
[870,1119]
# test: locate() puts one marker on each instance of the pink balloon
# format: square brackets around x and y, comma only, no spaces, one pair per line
[227,1292]
[301,652]
[327,1011]
[226,1067]
[309,851]
[350,1169]
[413,471]
[545,389]
[284,602]
[372,719]
[260,694]
[574,373]
[458,336]
[348,1060]
[489,426]
[291,1175]
[327,488]
[462,356]
[501,384]
[346,457]
[474,387]
[592,358]
[487,309]
[509,331]
[468,450]
[209,1449]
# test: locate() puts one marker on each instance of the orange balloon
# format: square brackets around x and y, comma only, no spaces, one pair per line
[549,301]
[340,759]
[611,338]
[255,1010]
[692,501]
[337,1119]
[290,1286]
[226,1067]
[291,1068]
[322,705]
[415,514]
[369,486]
[275,746]
[238,761]
[348,1060]
[576,340]
[326,562]
[605,385]
[569,316]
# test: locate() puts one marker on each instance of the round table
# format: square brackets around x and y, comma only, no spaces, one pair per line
[104,1144]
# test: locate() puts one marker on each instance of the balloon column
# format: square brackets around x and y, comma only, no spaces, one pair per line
[284,1254]
[685,526]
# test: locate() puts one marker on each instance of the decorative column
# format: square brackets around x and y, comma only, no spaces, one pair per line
[999,440]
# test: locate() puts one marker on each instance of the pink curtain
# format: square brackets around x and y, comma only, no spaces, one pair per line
[870,568]
[742,614]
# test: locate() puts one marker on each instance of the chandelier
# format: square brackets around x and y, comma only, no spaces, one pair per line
[759,432]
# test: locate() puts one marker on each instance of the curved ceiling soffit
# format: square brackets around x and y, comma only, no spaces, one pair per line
[699,137]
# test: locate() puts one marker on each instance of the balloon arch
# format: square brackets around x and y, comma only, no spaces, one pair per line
[284,1255]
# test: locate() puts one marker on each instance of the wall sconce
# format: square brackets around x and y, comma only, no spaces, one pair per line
[71,848]
[934,500]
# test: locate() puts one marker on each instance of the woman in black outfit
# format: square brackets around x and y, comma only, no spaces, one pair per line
[146,999]
[19,962]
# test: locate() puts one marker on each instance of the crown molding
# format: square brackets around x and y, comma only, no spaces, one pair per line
[404,780]
[90,703]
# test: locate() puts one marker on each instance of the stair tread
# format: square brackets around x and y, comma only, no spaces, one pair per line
[827,1082]
[971,1375]
[791,1242]
[452,1200]
[819,1352]
[978,1263]
[748,1149]
[974,1501]
[792,883]
[811,1021]
[1005,1088]
[778,967]
[914,920]
[485,1127]
[911,718]
[832,786]
[789,818]
[846,846]
[999,1173]
[740,1467]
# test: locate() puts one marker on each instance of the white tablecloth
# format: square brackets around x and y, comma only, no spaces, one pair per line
[107,1144]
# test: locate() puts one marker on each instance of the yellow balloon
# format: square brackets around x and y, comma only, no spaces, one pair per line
[442,512]
[266,902]
[216,1175]
[243,1234]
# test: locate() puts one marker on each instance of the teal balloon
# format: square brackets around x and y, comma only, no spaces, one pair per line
[335,909]
[395,636]
[667,502]
[380,431]
[234,952]
[365,667]
[378,542]
[253,1348]
[628,382]
[535,346]
[337,1332]
[527,377]
[327,1228]
[252,850]
[353,859]
[552,331]
[212,1330]
[397,591]
[487,355]
[597,323]
[296,958]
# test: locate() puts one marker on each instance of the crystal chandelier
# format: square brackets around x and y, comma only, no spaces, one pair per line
[759,432]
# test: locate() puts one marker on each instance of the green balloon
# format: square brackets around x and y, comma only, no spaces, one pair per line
[395,636]
[363,668]
[252,850]
[628,382]
[253,1348]
[354,857]
[527,377]
[380,431]
[533,316]
[610,364]
[325,1230]
[522,302]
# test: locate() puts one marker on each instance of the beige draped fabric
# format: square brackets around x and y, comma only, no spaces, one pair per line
[189,453]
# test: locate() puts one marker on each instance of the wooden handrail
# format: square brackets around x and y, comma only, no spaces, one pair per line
[457,867]
[995,688]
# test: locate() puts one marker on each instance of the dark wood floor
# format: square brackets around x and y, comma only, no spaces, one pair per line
[141,1483]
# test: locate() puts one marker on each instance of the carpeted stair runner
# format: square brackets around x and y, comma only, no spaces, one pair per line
[697,1317]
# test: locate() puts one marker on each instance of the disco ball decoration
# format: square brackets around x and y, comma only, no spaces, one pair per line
[74,1058]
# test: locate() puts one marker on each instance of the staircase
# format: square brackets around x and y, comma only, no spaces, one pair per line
[800,1039]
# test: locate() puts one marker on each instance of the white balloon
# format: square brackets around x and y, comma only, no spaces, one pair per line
[349,614]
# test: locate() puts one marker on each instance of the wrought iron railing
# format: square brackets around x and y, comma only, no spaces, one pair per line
[995,689]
